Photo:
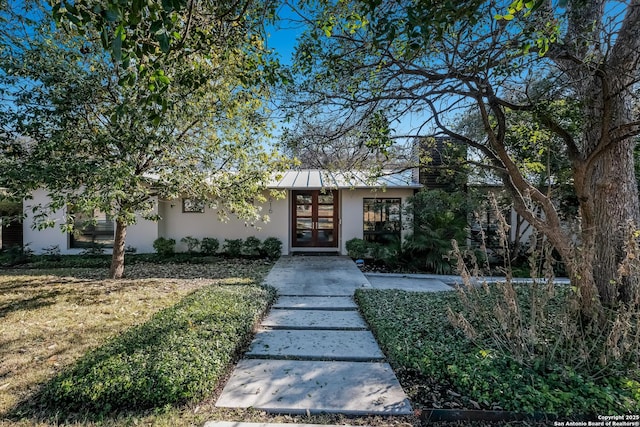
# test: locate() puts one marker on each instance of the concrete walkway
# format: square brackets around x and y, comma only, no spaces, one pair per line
[314,352]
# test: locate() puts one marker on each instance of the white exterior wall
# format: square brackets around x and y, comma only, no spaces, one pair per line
[176,224]
[38,240]
[352,212]
[140,235]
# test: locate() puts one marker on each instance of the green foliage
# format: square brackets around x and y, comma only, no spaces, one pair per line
[357,248]
[152,32]
[414,332]
[69,261]
[209,245]
[177,356]
[93,250]
[438,218]
[271,248]
[232,247]
[164,247]
[16,255]
[52,253]
[192,243]
[99,128]
[251,247]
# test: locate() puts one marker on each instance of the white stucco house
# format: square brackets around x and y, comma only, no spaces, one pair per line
[320,212]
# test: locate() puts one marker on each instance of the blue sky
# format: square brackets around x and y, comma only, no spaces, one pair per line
[282,36]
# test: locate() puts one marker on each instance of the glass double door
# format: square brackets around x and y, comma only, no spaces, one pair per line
[315,219]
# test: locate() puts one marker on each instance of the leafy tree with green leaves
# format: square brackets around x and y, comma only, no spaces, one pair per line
[437,60]
[83,125]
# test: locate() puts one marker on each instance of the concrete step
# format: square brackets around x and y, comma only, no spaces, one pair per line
[298,387]
[314,319]
[315,345]
[316,276]
[316,303]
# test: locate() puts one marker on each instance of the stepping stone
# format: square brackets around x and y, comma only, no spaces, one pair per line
[314,319]
[316,345]
[316,276]
[295,387]
[319,303]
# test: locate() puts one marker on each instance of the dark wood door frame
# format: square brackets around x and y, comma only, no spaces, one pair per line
[314,219]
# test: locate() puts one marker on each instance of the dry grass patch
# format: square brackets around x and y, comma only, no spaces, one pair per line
[49,319]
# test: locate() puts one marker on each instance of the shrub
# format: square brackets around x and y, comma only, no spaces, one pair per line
[191,242]
[179,355]
[164,247]
[209,245]
[93,250]
[52,253]
[357,248]
[438,218]
[419,341]
[130,250]
[232,247]
[271,248]
[251,247]
[16,255]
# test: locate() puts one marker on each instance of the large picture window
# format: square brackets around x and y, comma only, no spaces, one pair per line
[382,220]
[93,231]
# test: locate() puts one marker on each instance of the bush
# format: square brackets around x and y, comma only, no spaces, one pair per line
[93,250]
[414,332]
[271,248]
[179,355]
[192,243]
[232,247]
[357,248]
[439,217]
[164,247]
[209,245]
[251,247]
[16,255]
[52,253]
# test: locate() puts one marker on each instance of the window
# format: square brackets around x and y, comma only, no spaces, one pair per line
[192,206]
[382,220]
[93,231]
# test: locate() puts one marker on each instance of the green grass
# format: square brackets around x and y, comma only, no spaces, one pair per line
[179,355]
[76,345]
[440,367]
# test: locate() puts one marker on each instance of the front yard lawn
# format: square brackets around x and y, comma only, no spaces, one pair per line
[75,343]
[440,368]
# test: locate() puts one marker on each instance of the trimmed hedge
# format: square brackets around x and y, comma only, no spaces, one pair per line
[417,337]
[177,356]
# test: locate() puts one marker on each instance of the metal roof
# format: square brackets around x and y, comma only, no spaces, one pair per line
[322,178]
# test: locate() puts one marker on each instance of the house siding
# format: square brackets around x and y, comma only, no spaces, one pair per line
[176,224]
[140,235]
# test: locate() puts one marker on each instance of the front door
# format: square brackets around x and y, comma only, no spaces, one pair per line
[315,219]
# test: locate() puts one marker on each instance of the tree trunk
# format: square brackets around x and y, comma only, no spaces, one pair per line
[615,207]
[117,260]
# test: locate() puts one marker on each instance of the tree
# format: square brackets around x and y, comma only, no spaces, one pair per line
[101,138]
[319,145]
[437,60]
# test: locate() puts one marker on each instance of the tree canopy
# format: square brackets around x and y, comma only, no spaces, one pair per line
[434,62]
[82,123]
